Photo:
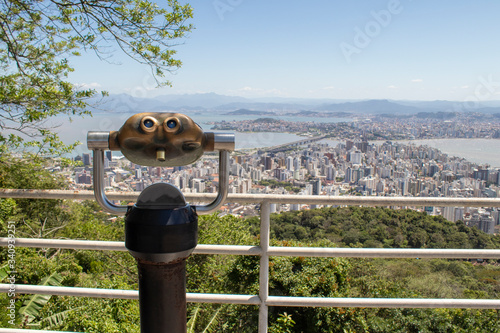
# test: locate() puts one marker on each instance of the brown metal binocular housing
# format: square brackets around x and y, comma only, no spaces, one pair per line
[159,139]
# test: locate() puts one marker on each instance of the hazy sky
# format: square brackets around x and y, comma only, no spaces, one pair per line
[416,50]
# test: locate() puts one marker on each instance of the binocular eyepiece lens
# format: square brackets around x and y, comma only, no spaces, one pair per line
[171,123]
[148,123]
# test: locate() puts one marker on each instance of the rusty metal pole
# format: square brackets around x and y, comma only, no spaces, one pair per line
[162,297]
[161,231]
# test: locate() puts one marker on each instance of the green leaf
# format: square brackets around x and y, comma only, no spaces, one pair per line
[192,320]
[3,272]
[212,324]
[56,319]
[32,307]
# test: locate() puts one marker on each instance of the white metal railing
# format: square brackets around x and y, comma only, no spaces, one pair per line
[17,330]
[271,198]
[282,251]
[264,250]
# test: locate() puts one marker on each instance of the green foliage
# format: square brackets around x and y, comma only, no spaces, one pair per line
[34,304]
[56,319]
[98,315]
[96,269]
[303,277]
[206,273]
[33,217]
[379,227]
[266,120]
[192,320]
[432,320]
[212,322]
[8,209]
[3,272]
[284,324]
[38,40]
[273,183]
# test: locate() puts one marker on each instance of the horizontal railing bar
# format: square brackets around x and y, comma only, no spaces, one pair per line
[124,294]
[271,300]
[244,250]
[69,291]
[120,246]
[18,330]
[383,302]
[272,198]
[72,244]
[383,253]
[223,298]
[273,250]
[58,194]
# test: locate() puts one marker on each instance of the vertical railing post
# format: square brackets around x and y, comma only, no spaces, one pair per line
[265,226]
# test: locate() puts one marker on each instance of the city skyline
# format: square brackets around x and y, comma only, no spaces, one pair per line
[406,50]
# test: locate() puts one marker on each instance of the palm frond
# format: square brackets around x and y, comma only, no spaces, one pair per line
[56,319]
[32,307]
[192,320]
[3,272]
[212,324]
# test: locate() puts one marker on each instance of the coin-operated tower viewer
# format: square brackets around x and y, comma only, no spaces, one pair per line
[161,229]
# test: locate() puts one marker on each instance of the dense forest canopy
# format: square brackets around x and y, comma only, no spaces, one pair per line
[378,227]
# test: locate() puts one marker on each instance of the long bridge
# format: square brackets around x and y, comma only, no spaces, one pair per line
[287,146]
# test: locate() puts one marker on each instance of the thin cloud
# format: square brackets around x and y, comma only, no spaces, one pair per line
[417,80]
[85,86]
[258,91]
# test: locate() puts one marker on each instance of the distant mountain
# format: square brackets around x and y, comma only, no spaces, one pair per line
[491,110]
[306,113]
[455,106]
[271,107]
[301,101]
[124,103]
[370,107]
[211,102]
[438,105]
[202,101]
[437,115]
[249,112]
[490,103]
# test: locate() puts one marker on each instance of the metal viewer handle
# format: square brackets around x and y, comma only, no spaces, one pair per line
[223,186]
[224,143]
[98,142]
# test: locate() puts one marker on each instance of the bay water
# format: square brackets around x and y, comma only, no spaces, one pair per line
[481,151]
